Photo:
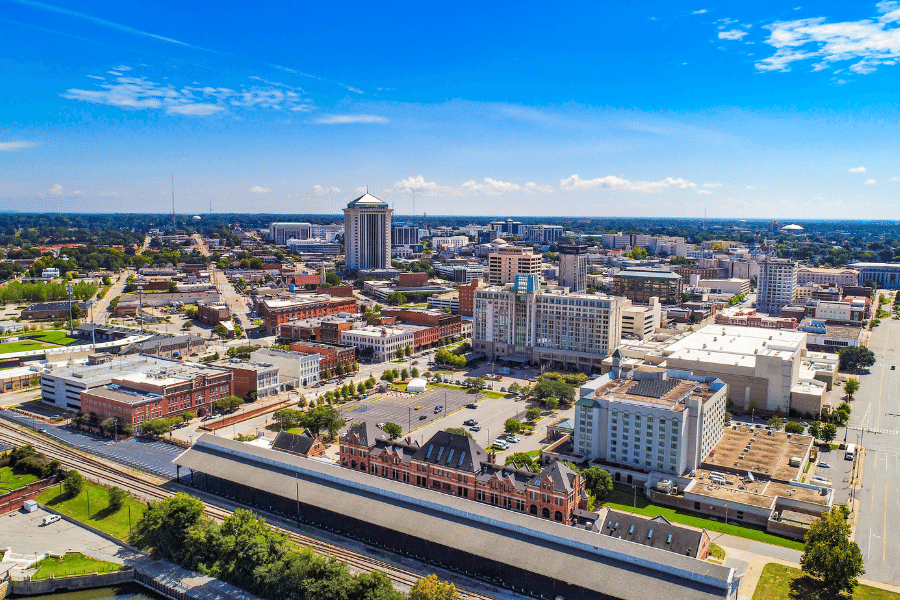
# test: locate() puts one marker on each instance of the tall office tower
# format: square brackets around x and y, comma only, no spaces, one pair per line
[506,263]
[573,262]
[777,285]
[367,233]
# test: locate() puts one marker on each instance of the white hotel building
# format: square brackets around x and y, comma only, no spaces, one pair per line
[379,342]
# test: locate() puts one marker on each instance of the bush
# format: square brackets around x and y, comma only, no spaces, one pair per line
[533,414]
[117,498]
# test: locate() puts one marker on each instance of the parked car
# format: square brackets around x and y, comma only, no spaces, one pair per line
[438,408]
[804,423]
[498,443]
[503,389]
[825,465]
[512,439]
[423,417]
[475,428]
[470,422]
[471,405]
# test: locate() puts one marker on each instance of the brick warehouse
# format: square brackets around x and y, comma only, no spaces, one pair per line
[276,311]
[162,392]
[455,464]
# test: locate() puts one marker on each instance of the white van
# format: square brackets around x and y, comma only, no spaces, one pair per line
[502,444]
[851,452]
[50,519]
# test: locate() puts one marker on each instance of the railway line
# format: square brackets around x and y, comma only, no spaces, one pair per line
[148,487]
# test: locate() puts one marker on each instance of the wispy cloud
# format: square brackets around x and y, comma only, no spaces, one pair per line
[712,185]
[699,12]
[345,119]
[533,188]
[258,189]
[868,42]
[870,182]
[18,145]
[611,182]
[732,34]
[140,93]
[491,187]
[704,192]
[856,170]
[894,179]
[420,185]
[56,190]
[103,22]
[318,189]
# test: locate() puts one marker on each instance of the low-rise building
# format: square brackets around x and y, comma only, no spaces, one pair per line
[261,379]
[332,355]
[63,386]
[653,420]
[276,311]
[53,310]
[467,297]
[212,313]
[639,321]
[641,285]
[299,367]
[448,301]
[178,346]
[304,444]
[447,324]
[376,343]
[454,464]
[320,329]
[733,286]
[837,277]
[158,393]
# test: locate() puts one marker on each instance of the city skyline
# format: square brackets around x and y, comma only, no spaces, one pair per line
[652,111]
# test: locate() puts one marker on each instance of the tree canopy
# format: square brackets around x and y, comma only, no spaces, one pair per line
[830,555]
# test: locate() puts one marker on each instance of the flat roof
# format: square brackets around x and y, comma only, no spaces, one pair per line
[648,274]
[768,456]
[730,344]
[596,562]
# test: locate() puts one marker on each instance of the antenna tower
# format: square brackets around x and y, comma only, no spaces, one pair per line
[174,226]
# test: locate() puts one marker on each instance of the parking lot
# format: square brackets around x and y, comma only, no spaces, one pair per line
[400,407]
[837,471]
[153,457]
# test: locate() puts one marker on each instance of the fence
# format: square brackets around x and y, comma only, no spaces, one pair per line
[244,415]
[16,498]
[30,587]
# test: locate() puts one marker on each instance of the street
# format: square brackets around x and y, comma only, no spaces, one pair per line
[875,423]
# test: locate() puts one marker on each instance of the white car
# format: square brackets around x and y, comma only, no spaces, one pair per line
[498,443]
[512,439]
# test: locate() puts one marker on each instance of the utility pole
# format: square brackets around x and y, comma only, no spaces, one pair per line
[69,290]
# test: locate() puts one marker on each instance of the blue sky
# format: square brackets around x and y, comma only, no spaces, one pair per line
[751,110]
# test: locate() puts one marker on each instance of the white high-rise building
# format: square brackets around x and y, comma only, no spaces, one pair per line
[280,233]
[573,263]
[367,233]
[777,285]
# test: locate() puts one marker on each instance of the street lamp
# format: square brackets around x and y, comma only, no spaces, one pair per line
[69,290]
[140,291]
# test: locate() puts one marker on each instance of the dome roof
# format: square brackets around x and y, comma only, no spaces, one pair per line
[793,227]
[367,200]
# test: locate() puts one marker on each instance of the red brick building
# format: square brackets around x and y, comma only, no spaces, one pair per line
[163,392]
[467,297]
[338,291]
[332,354]
[450,325]
[305,444]
[276,311]
[412,279]
[212,313]
[455,464]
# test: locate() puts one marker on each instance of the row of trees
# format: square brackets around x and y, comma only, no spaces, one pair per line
[25,459]
[322,418]
[244,551]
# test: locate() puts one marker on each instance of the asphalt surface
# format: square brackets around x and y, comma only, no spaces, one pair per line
[875,407]
[153,457]
[400,407]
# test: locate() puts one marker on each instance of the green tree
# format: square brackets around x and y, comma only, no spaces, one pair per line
[814,429]
[830,555]
[404,375]
[793,427]
[360,388]
[521,459]
[393,430]
[554,388]
[512,425]
[727,418]
[388,376]
[552,404]
[370,383]
[396,299]
[533,414]
[776,423]
[73,483]
[432,588]
[165,526]
[459,431]
[853,358]
[117,498]
[220,331]
[399,353]
[407,351]
[109,426]
[828,433]
[598,482]
[414,372]
[851,387]
[475,383]
[156,427]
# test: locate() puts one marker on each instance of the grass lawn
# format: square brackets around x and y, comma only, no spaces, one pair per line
[113,523]
[73,563]
[20,346]
[12,481]
[54,337]
[622,498]
[400,387]
[779,582]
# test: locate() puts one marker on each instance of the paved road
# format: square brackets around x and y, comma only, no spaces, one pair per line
[877,405]
[101,314]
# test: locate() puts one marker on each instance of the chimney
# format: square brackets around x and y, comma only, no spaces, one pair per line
[492,457]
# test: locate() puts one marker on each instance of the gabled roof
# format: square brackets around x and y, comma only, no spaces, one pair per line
[366,433]
[367,200]
[560,475]
[657,532]
[295,444]
[453,451]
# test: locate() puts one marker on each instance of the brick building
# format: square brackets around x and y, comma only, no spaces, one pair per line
[212,313]
[332,354]
[448,324]
[304,444]
[320,329]
[53,310]
[262,378]
[276,311]
[159,393]
[455,464]
[412,279]
[467,297]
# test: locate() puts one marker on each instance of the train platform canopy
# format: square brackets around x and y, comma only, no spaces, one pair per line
[604,566]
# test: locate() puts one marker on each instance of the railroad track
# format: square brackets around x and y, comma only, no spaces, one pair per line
[112,474]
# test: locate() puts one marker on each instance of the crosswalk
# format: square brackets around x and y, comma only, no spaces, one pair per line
[874,430]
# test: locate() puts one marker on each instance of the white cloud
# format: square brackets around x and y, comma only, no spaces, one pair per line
[749,187]
[19,145]
[857,170]
[56,190]
[699,12]
[491,187]
[611,182]
[712,185]
[139,93]
[732,34]
[704,192]
[258,189]
[868,42]
[318,189]
[417,184]
[894,179]
[122,68]
[344,119]
[531,187]
[870,182]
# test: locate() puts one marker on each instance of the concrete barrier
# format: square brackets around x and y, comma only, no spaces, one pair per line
[29,587]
